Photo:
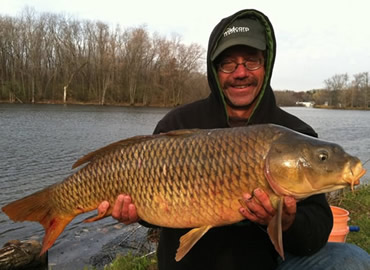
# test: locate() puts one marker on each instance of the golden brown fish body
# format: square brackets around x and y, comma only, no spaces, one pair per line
[193,178]
[182,179]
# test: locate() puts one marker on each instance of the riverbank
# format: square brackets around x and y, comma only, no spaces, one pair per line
[341,108]
[91,103]
[157,105]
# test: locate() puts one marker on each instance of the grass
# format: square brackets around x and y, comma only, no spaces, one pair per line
[130,262]
[357,203]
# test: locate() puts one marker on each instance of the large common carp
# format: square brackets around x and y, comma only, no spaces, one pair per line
[193,179]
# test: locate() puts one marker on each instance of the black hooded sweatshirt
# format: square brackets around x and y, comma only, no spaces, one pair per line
[244,245]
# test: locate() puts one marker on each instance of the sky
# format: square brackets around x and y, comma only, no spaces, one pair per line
[316,39]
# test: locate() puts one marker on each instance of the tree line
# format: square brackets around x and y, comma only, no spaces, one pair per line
[48,57]
[54,58]
[340,91]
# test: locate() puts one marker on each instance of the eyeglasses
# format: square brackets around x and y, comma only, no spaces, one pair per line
[251,64]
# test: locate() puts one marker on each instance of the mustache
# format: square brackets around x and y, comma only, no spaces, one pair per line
[241,82]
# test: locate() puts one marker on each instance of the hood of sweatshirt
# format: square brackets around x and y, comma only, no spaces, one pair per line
[266,97]
[211,111]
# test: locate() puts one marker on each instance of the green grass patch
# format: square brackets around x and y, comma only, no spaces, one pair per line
[132,262]
[358,205]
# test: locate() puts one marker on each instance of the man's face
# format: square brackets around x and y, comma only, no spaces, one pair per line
[241,86]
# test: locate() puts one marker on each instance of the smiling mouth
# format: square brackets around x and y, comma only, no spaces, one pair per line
[242,86]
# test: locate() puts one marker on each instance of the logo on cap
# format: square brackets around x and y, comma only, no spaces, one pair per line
[236,29]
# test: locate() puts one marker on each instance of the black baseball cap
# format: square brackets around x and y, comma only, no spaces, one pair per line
[244,31]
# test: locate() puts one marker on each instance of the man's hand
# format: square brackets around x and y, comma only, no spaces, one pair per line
[123,210]
[259,209]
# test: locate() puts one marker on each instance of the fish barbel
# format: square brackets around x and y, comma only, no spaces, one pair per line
[193,179]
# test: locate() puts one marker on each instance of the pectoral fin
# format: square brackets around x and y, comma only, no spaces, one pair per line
[274,229]
[188,240]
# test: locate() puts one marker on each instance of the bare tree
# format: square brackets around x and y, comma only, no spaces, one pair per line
[334,85]
[136,43]
[361,86]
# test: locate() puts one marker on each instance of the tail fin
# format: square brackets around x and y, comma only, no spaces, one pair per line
[38,207]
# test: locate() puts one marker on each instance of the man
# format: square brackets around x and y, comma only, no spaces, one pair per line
[240,60]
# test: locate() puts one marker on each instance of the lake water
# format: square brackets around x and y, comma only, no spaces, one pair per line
[39,144]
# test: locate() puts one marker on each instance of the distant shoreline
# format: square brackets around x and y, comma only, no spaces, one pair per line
[164,106]
[341,108]
[88,104]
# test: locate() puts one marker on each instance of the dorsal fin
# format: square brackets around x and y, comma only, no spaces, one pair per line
[125,142]
[181,132]
[101,151]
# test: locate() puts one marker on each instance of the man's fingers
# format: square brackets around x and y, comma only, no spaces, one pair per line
[103,207]
[125,215]
[264,199]
[252,216]
[252,210]
[248,215]
[260,203]
[132,214]
[117,208]
[290,205]
[124,210]
[257,208]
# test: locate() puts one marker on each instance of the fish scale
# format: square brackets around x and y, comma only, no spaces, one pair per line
[193,179]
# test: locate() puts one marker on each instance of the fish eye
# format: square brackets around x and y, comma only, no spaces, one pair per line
[323,155]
